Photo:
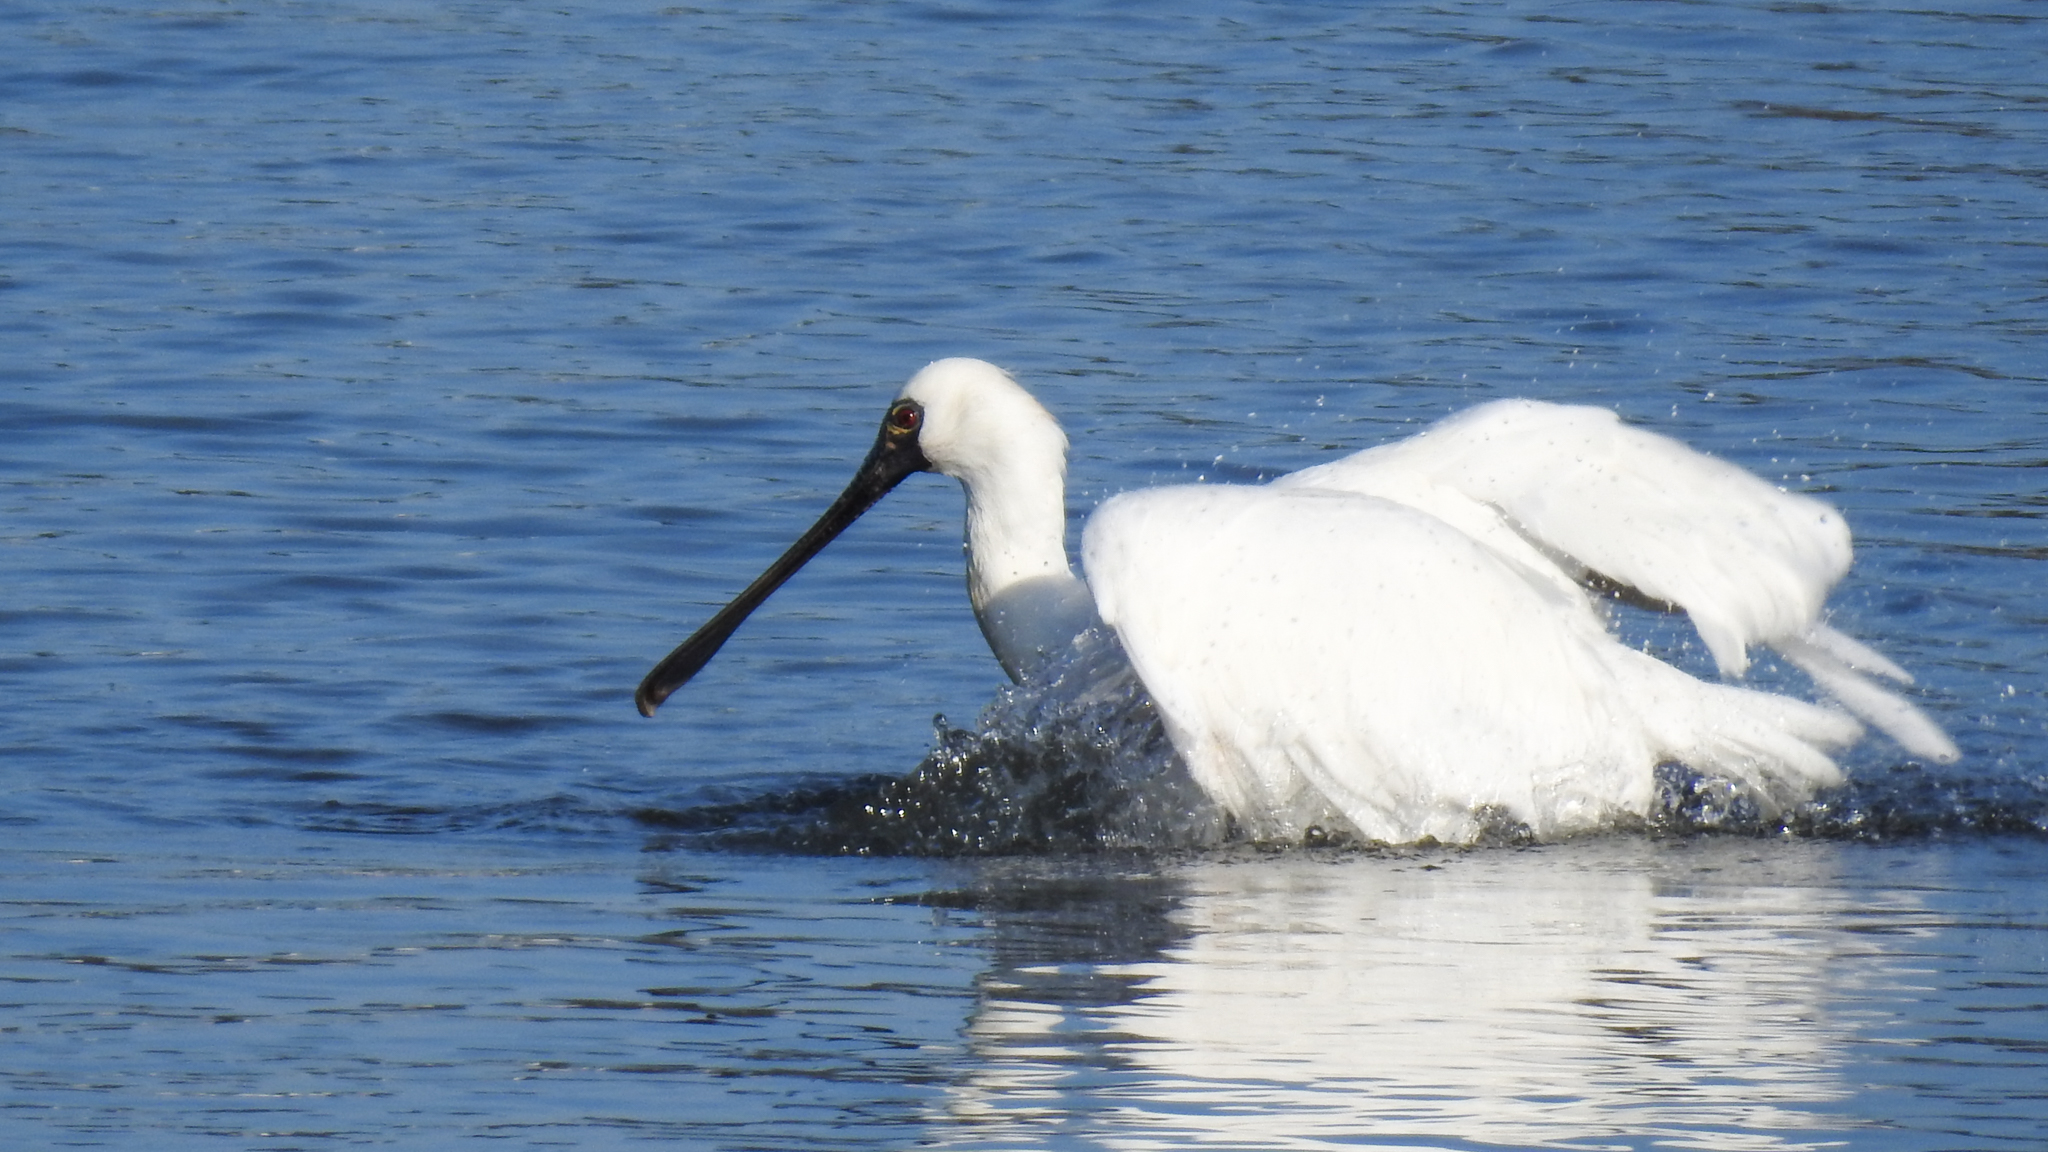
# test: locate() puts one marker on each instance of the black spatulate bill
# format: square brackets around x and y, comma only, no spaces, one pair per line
[895,455]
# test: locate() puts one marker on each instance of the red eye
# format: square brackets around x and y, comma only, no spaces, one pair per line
[906,417]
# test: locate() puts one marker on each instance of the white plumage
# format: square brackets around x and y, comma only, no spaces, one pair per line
[1402,640]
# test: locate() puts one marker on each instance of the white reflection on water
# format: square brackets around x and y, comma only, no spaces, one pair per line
[1611,995]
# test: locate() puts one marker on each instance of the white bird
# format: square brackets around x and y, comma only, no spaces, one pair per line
[1408,640]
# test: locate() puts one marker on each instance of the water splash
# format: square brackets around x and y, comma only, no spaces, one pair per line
[1073,760]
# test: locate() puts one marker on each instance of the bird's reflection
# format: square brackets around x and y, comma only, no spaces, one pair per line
[1566,996]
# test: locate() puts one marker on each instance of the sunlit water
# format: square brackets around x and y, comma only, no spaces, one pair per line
[388,386]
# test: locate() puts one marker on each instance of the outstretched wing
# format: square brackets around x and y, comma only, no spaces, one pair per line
[1749,562]
[1573,493]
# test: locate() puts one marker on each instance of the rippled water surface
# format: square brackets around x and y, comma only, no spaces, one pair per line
[388,385]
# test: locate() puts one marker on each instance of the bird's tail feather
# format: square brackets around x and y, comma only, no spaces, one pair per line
[1841,667]
[1778,747]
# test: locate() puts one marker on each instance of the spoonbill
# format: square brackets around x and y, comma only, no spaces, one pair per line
[1410,640]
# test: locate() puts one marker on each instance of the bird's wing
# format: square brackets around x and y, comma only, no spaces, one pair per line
[1307,647]
[1749,562]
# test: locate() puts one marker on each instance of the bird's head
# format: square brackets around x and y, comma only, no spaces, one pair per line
[976,423]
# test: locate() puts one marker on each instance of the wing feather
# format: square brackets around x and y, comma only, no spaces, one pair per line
[1749,562]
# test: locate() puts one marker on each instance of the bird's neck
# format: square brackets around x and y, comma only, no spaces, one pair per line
[1015,532]
[1026,597]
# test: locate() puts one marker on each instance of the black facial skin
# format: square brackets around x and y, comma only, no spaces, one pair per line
[895,455]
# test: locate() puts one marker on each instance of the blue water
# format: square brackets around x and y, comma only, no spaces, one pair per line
[388,385]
